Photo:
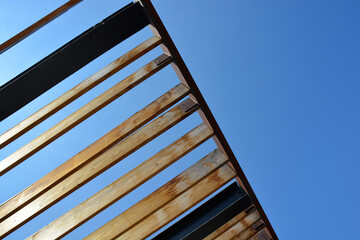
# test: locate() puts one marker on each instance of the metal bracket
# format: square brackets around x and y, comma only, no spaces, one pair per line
[161,59]
[187,105]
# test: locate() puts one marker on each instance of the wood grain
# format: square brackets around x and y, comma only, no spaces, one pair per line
[94,168]
[77,91]
[180,204]
[122,131]
[226,226]
[160,197]
[125,184]
[36,26]
[80,115]
[239,227]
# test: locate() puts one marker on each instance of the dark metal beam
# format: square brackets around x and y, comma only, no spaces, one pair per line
[209,216]
[71,57]
[186,78]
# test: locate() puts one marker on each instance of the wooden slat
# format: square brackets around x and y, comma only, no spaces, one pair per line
[160,197]
[36,26]
[249,232]
[104,143]
[180,205]
[226,226]
[183,73]
[236,229]
[94,168]
[125,184]
[261,235]
[77,91]
[80,115]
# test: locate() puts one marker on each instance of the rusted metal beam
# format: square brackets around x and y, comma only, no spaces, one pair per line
[186,78]
[36,26]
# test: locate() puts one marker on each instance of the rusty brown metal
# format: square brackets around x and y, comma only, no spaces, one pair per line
[186,78]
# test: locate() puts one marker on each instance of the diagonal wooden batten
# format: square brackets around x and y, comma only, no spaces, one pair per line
[160,197]
[36,26]
[226,226]
[180,204]
[78,90]
[239,227]
[101,145]
[95,167]
[125,184]
[263,234]
[80,115]
[248,232]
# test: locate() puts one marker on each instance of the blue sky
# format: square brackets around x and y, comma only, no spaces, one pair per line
[282,78]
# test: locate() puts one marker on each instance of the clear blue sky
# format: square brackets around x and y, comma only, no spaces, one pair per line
[281,77]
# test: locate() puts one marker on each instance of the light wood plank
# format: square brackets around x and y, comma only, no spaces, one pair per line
[36,26]
[77,91]
[94,168]
[80,115]
[160,197]
[248,232]
[104,143]
[226,226]
[125,184]
[236,229]
[180,205]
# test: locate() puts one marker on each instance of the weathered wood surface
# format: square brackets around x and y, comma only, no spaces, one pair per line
[235,230]
[248,232]
[77,91]
[122,131]
[94,168]
[180,205]
[125,184]
[80,115]
[226,226]
[160,197]
[36,26]
[261,235]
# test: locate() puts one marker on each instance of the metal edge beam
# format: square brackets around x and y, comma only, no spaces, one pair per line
[71,57]
[209,216]
[186,78]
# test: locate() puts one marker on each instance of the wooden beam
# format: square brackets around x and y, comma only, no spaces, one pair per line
[239,227]
[160,197]
[36,26]
[180,205]
[94,168]
[261,235]
[70,57]
[184,75]
[80,115]
[118,189]
[226,226]
[77,91]
[119,133]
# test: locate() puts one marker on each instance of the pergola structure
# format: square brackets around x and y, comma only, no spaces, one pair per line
[233,213]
